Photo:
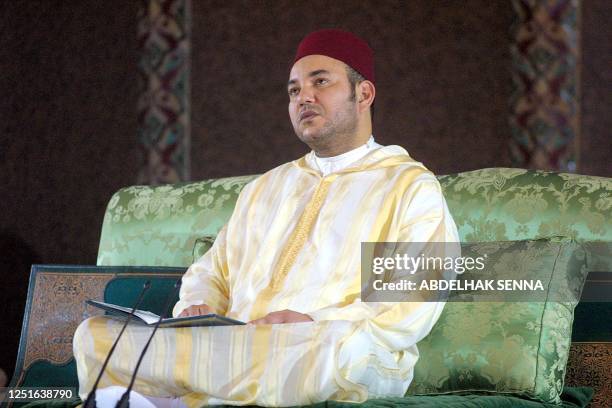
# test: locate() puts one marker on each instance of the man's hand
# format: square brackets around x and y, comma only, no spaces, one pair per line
[196,310]
[283,316]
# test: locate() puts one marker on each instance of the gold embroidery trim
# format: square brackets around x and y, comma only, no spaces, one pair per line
[300,233]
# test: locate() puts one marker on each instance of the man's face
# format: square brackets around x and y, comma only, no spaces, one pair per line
[322,111]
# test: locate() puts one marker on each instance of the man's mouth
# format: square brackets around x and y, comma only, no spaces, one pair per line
[307,115]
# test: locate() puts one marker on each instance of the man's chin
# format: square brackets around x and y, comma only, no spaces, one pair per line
[310,135]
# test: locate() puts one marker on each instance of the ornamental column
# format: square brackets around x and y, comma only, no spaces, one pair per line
[164,30]
[545,105]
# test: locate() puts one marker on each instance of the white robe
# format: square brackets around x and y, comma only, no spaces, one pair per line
[293,242]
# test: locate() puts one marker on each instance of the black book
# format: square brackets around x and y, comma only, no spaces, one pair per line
[147,318]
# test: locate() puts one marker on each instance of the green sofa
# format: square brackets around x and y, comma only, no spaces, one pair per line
[164,229]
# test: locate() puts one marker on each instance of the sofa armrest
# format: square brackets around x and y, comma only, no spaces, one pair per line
[56,305]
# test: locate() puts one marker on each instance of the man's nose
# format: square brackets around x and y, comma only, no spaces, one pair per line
[306,95]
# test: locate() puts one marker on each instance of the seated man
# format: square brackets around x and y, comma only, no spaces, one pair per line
[290,254]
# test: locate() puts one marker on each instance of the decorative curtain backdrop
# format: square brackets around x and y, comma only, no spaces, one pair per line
[545,104]
[544,115]
[164,29]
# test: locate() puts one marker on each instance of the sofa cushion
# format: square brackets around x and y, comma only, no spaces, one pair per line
[517,347]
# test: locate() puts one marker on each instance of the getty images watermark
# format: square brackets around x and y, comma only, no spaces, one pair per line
[519,271]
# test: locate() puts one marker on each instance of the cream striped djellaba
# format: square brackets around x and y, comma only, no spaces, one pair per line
[293,242]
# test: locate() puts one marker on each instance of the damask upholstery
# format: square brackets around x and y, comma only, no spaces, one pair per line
[506,342]
[158,226]
[174,224]
[501,204]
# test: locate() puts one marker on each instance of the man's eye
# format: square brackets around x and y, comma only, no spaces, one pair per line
[321,81]
[293,91]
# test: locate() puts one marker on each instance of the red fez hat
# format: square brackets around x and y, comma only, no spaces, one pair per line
[340,45]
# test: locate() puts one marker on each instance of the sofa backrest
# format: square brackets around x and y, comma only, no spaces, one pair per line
[171,225]
[505,204]
[159,226]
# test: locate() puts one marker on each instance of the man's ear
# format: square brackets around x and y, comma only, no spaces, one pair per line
[366,92]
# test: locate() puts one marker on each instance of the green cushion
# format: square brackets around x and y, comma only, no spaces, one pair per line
[158,226]
[519,347]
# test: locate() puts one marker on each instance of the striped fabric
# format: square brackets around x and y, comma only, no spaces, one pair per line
[293,242]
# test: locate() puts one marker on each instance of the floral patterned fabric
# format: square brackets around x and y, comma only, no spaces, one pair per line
[474,346]
[516,347]
[502,204]
[505,204]
[159,226]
